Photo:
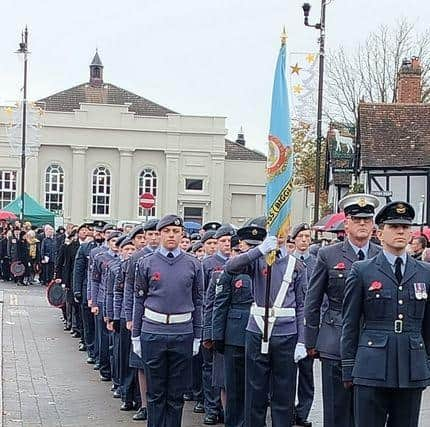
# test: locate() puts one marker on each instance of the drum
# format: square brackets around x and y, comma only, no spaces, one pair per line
[56,294]
[17,269]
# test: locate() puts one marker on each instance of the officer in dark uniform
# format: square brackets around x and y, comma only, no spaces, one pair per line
[301,236]
[322,337]
[167,322]
[386,327]
[80,289]
[232,305]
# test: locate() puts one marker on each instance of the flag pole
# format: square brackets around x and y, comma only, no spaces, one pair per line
[276,169]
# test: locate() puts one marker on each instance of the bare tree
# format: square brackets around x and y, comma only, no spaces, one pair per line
[369,72]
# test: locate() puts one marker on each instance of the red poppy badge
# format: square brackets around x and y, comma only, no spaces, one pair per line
[156,276]
[375,286]
[339,266]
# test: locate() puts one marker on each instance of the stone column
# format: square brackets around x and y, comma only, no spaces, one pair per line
[77,187]
[216,187]
[126,188]
[170,189]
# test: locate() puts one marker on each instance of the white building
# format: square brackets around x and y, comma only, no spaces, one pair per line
[102,146]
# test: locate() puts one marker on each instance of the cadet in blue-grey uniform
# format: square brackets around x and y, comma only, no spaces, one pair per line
[106,231]
[146,239]
[232,306]
[112,270]
[167,322]
[213,264]
[272,369]
[209,243]
[322,337]
[301,236]
[98,287]
[127,374]
[386,327]
[80,291]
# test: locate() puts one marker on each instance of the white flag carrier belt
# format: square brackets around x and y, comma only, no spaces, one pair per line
[167,319]
[277,310]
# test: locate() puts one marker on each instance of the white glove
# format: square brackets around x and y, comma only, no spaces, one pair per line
[137,346]
[196,346]
[300,352]
[269,244]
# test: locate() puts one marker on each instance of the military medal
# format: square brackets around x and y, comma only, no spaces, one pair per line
[420,291]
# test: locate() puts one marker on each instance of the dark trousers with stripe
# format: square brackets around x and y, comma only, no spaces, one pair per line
[167,361]
[88,326]
[212,395]
[103,343]
[305,388]
[337,401]
[273,373]
[377,406]
[114,339]
[234,367]
[127,375]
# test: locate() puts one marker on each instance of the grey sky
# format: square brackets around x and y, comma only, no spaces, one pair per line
[193,56]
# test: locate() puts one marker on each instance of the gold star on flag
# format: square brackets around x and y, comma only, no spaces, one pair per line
[297,89]
[8,110]
[295,69]
[310,57]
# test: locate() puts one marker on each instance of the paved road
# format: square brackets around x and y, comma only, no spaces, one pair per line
[46,381]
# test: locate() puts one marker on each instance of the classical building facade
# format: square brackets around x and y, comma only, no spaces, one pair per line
[102,146]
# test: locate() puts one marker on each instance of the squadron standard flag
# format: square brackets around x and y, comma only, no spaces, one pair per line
[279,185]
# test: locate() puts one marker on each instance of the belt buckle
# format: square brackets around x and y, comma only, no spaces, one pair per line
[398,326]
[167,319]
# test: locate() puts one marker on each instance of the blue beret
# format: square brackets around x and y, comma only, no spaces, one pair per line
[196,246]
[252,234]
[151,225]
[208,235]
[119,240]
[169,220]
[298,228]
[224,230]
[136,230]
[113,235]
[126,241]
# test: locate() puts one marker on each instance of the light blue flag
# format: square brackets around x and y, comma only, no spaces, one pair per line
[280,157]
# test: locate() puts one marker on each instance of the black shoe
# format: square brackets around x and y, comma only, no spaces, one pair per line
[113,387]
[188,397]
[82,347]
[106,379]
[117,393]
[96,367]
[91,361]
[67,328]
[199,408]
[140,415]
[210,420]
[76,335]
[303,423]
[126,406]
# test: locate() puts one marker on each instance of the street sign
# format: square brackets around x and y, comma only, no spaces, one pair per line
[343,170]
[385,193]
[146,201]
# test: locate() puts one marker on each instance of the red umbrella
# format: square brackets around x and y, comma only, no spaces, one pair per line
[329,221]
[5,215]
[426,233]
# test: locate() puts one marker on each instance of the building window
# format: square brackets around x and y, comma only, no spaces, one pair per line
[148,184]
[7,187]
[193,214]
[193,184]
[101,191]
[54,189]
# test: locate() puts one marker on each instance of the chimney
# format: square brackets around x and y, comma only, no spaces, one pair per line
[409,81]
[241,137]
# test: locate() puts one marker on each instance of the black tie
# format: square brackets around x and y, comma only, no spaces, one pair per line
[302,258]
[170,255]
[398,269]
[360,255]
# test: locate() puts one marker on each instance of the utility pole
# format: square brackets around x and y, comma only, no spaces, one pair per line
[23,49]
[321,27]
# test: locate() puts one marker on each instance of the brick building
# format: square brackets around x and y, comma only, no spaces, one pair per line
[393,143]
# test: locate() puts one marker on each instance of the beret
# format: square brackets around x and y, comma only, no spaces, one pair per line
[168,220]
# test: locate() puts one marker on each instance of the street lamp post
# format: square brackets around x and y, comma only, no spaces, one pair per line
[23,49]
[321,27]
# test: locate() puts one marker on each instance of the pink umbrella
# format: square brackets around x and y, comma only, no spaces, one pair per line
[329,221]
[5,215]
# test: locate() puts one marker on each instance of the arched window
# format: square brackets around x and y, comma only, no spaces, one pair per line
[101,191]
[7,187]
[54,188]
[147,184]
